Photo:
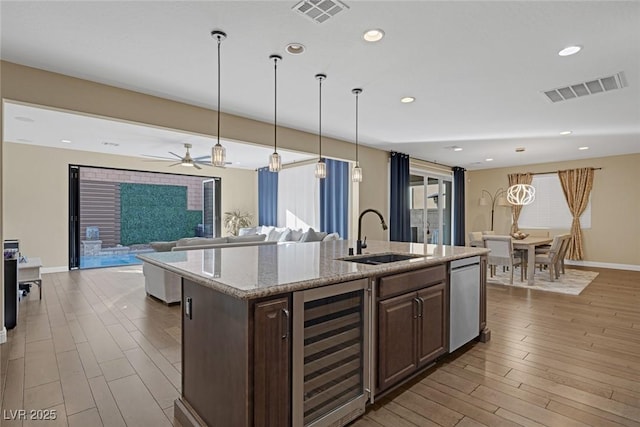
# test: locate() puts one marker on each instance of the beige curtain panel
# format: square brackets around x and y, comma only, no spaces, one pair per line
[576,185]
[517,178]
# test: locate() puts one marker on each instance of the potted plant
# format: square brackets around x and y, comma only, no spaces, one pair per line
[235,220]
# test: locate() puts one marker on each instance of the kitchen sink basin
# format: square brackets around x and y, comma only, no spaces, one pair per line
[378,259]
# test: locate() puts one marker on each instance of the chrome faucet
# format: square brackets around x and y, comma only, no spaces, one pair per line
[359,243]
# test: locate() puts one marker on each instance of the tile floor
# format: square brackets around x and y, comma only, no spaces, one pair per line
[96,350]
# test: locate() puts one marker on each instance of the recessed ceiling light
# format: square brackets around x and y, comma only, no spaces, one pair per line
[570,50]
[565,132]
[407,99]
[583,148]
[66,141]
[111,144]
[295,48]
[457,148]
[520,150]
[373,35]
[24,119]
[488,160]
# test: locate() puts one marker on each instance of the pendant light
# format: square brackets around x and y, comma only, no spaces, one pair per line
[521,194]
[218,153]
[357,171]
[321,167]
[275,163]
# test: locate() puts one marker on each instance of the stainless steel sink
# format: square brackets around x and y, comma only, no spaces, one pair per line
[378,259]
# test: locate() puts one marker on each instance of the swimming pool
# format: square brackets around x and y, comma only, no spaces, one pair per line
[97,261]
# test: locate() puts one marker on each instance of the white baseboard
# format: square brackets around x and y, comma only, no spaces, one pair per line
[614,266]
[3,335]
[63,269]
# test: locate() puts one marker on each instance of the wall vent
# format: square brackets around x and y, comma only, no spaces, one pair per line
[320,10]
[591,87]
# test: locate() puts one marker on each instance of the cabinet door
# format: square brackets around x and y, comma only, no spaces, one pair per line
[397,319]
[432,323]
[271,364]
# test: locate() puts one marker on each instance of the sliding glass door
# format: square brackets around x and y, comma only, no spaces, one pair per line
[431,213]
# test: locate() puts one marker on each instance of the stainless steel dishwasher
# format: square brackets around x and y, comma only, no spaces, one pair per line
[464,301]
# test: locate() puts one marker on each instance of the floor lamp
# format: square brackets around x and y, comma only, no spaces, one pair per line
[496,198]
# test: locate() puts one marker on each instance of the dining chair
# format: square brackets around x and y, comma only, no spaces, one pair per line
[502,253]
[551,259]
[566,240]
[475,239]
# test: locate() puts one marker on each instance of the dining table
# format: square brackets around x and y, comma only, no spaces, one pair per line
[529,244]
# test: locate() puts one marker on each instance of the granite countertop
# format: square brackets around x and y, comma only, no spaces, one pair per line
[257,271]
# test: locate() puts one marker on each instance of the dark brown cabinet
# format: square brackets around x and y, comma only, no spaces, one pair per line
[412,327]
[235,360]
[271,351]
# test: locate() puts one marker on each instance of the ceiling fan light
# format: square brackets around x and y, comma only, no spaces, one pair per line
[218,155]
[356,175]
[521,194]
[275,163]
[187,164]
[321,170]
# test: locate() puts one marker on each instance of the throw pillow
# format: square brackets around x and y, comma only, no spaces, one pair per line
[249,231]
[295,235]
[313,236]
[331,236]
[249,238]
[275,235]
[265,229]
[284,236]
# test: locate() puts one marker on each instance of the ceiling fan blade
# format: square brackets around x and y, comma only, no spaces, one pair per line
[157,157]
[201,158]
[171,152]
[195,165]
[179,163]
[201,163]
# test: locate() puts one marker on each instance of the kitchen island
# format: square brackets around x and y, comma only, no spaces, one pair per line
[302,334]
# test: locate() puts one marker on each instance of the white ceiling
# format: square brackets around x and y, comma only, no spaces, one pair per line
[47,127]
[476,68]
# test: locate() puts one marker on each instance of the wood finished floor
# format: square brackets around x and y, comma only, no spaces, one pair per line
[100,352]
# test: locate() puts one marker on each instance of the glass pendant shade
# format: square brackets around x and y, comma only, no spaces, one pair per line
[275,163]
[521,194]
[218,155]
[321,170]
[356,175]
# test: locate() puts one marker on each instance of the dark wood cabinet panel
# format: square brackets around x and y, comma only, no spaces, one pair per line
[432,323]
[400,284]
[272,343]
[397,322]
[215,345]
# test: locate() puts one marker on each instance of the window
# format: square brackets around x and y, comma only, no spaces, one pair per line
[549,209]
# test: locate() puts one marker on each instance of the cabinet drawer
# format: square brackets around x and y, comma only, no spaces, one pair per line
[412,280]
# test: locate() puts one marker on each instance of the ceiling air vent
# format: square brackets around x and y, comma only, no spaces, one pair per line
[320,10]
[578,90]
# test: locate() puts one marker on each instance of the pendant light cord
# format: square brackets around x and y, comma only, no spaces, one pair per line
[219,42]
[357,94]
[320,122]
[275,105]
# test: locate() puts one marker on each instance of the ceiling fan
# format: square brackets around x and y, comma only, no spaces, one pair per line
[185,160]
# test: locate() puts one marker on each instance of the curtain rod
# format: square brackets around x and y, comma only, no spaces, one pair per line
[546,173]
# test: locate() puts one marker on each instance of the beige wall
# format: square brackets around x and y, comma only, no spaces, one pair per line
[614,236]
[36,196]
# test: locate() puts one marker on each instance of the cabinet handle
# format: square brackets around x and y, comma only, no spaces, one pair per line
[187,307]
[285,316]
[420,306]
[415,308]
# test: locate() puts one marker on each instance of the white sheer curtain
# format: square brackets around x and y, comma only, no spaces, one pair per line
[299,198]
